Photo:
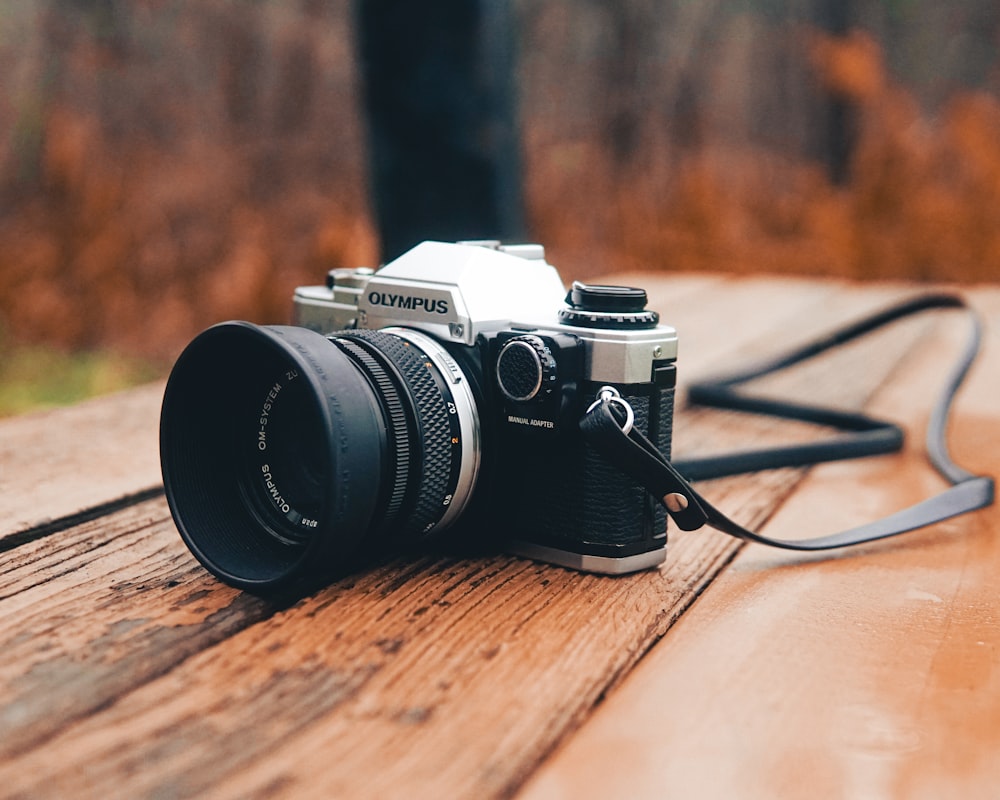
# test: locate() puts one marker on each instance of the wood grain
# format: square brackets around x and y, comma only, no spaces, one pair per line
[89,614]
[56,464]
[125,666]
[871,673]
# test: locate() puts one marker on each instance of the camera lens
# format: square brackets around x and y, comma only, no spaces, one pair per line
[285,453]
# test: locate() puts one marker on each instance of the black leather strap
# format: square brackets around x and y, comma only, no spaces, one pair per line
[861,435]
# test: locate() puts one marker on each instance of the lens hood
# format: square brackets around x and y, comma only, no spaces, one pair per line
[271,446]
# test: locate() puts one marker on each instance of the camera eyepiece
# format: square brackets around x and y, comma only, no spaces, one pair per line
[285,453]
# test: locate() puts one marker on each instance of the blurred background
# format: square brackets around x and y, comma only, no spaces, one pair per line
[166,164]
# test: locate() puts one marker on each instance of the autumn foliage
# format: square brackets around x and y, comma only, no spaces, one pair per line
[146,197]
[193,167]
[921,199]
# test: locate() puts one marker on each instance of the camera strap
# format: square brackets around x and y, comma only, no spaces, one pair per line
[607,425]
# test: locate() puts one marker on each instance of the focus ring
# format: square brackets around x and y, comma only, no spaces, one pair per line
[433,428]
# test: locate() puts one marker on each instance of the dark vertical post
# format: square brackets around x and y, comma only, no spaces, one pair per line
[839,128]
[438,89]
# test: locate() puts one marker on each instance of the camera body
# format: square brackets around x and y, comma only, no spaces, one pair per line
[522,360]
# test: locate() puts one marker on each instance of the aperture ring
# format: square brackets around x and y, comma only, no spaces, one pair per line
[434,469]
[464,418]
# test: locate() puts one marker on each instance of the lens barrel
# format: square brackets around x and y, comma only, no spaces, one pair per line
[286,454]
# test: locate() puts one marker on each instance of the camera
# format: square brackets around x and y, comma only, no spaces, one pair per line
[441,391]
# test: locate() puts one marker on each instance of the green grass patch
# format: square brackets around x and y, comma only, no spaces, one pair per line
[33,377]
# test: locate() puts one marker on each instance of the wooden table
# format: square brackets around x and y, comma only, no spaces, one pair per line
[733,671]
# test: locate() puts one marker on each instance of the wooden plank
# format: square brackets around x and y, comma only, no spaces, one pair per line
[664,290]
[733,318]
[96,610]
[444,675]
[144,544]
[55,465]
[867,673]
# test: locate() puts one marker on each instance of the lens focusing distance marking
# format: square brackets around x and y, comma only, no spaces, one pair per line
[463,419]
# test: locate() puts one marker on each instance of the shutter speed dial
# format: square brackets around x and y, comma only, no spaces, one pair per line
[526,369]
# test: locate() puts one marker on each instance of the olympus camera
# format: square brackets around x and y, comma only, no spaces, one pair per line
[443,390]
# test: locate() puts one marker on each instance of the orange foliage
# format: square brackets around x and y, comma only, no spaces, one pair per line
[921,200]
[139,249]
[193,166]
[137,241]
